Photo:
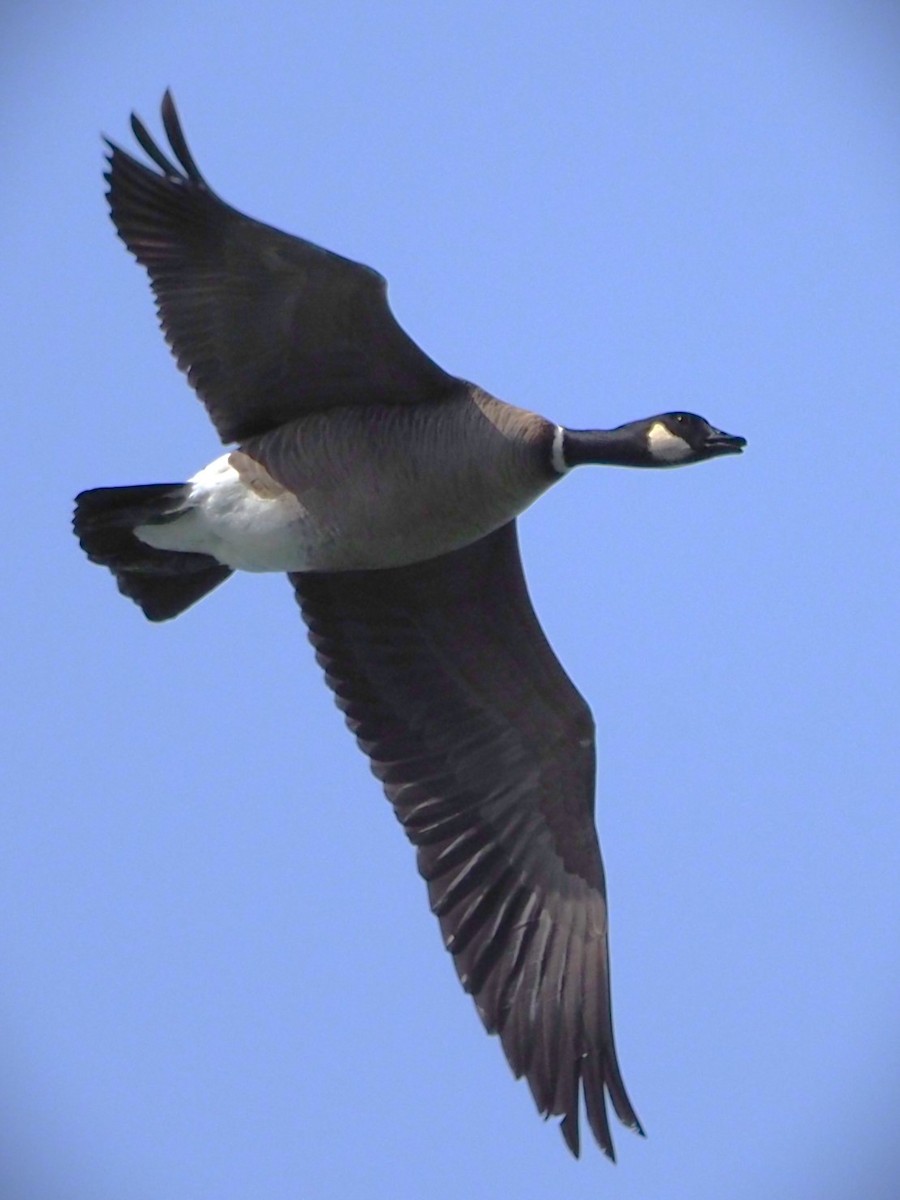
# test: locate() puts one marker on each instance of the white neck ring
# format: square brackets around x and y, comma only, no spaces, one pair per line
[557,454]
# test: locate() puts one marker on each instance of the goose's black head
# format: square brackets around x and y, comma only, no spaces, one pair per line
[677,438]
[670,440]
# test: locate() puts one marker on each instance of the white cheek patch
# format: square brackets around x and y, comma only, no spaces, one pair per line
[666,446]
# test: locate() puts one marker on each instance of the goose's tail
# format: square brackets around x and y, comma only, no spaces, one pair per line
[163,582]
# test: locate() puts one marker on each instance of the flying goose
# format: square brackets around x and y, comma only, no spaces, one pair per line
[388,491]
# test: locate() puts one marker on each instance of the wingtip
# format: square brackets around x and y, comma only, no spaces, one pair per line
[151,149]
[568,1127]
[167,105]
[174,132]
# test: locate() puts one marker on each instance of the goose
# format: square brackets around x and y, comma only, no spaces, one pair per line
[388,491]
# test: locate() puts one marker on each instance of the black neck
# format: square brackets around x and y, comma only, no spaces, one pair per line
[621,447]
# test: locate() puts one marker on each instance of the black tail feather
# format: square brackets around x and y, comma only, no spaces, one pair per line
[164,596]
[163,582]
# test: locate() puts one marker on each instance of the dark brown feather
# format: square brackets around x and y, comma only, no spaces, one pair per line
[265,325]
[486,751]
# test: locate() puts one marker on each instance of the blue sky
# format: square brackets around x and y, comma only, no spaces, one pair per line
[220,975]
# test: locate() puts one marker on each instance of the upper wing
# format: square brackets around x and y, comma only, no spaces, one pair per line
[486,751]
[266,325]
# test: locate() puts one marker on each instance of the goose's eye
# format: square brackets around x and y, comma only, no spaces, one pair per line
[680,418]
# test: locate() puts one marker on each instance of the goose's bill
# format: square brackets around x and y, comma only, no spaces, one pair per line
[718,442]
